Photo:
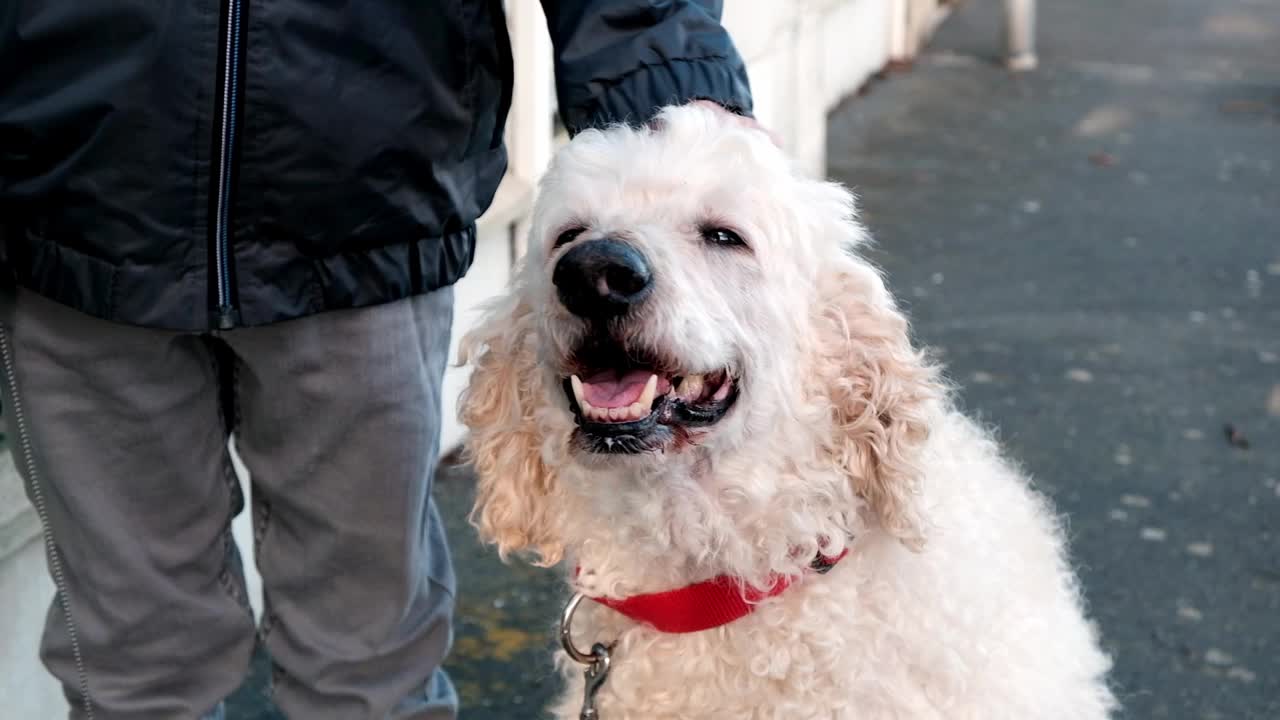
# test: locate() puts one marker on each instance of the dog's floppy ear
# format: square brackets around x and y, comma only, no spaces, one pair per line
[880,390]
[515,499]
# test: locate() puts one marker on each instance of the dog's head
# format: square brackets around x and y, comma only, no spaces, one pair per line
[688,300]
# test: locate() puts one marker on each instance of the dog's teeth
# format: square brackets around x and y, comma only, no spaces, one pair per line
[650,390]
[616,413]
[638,409]
[722,392]
[588,410]
[691,388]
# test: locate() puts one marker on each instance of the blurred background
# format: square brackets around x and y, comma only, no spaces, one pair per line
[1092,245]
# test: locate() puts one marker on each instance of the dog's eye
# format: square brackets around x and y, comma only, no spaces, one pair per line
[723,237]
[569,235]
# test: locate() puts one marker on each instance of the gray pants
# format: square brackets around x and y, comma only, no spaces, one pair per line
[121,437]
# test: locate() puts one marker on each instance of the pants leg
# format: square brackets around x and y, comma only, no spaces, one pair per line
[117,435]
[339,428]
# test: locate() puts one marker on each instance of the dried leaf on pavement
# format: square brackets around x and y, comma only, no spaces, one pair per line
[1235,438]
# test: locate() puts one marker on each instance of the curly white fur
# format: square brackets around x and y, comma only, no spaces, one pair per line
[957,599]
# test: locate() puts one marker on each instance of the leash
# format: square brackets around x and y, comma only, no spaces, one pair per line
[597,661]
[701,606]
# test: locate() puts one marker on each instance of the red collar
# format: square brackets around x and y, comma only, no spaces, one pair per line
[707,604]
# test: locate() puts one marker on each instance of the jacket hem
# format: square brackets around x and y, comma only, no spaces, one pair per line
[128,294]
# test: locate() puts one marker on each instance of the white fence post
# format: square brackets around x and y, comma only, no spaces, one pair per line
[1020,34]
[529,128]
[899,46]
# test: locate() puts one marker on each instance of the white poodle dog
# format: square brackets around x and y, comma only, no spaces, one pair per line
[697,388]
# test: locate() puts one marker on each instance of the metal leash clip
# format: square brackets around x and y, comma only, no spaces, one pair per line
[597,661]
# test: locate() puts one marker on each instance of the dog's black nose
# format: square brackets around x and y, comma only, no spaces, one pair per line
[602,278]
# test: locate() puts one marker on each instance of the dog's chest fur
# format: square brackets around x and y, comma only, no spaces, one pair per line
[984,623]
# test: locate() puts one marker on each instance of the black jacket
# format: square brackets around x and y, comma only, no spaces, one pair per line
[195,164]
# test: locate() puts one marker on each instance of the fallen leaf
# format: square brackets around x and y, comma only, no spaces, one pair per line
[1079,375]
[1235,438]
[1214,656]
[1273,401]
[1233,107]
[1104,120]
[1102,159]
[1200,549]
[1238,25]
[1151,534]
[1187,612]
[1242,674]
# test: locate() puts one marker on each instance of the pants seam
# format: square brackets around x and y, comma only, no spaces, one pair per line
[32,475]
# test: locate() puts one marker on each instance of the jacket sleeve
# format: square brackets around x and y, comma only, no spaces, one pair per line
[623,60]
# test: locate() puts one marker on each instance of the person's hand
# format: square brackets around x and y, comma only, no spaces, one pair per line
[742,120]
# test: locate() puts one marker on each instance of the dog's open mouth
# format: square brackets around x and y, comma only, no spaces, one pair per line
[625,403]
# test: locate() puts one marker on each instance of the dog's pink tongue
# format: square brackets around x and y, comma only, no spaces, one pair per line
[609,389]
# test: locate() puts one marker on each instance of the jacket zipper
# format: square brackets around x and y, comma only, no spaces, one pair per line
[227,315]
